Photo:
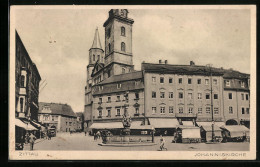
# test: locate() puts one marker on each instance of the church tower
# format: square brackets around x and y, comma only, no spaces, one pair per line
[118,43]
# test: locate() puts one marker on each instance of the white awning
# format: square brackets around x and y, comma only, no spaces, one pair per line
[137,125]
[237,130]
[187,123]
[107,125]
[26,126]
[191,133]
[207,126]
[164,122]
[219,124]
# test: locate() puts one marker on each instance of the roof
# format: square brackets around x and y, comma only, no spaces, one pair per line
[79,114]
[96,41]
[236,128]
[123,77]
[57,108]
[192,70]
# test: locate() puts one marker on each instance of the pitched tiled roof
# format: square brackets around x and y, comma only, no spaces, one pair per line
[59,109]
[123,77]
[192,70]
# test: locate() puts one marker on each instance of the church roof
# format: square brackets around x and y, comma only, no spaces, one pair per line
[96,41]
[123,77]
[57,108]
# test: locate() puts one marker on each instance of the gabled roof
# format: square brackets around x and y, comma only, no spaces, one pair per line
[235,74]
[96,41]
[58,109]
[96,65]
[123,77]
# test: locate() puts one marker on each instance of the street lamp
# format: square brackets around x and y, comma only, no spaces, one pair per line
[211,106]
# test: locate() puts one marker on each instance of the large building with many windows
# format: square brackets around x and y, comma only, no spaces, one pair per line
[162,94]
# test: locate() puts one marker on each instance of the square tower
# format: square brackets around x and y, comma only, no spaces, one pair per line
[118,42]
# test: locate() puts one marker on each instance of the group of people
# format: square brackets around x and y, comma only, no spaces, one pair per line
[30,138]
[97,135]
[47,135]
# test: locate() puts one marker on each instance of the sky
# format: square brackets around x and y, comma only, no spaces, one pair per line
[220,37]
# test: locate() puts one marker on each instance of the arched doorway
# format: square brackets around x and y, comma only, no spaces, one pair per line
[231,122]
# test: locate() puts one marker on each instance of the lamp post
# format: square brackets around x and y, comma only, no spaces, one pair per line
[211,105]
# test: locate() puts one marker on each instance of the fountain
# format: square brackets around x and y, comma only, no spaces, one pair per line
[125,139]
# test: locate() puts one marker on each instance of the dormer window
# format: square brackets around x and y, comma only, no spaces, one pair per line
[123,31]
[227,83]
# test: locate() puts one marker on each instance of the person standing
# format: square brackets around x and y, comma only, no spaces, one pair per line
[162,143]
[32,139]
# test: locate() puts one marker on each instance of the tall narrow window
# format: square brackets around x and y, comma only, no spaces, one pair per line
[153,94]
[22,81]
[162,95]
[108,32]
[189,80]
[206,81]
[180,110]
[216,110]
[180,80]
[215,81]
[98,57]
[199,95]
[199,81]
[207,96]
[94,57]
[109,48]
[230,110]
[123,31]
[136,95]
[161,80]
[190,95]
[247,96]
[199,110]
[170,80]
[108,73]
[123,46]
[242,96]
[190,110]
[230,96]
[153,110]
[153,79]
[171,109]
[21,104]
[227,83]
[118,112]
[243,110]
[208,110]
[171,95]
[162,110]
[180,95]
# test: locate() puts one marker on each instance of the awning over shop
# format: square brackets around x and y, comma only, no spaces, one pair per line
[137,125]
[219,124]
[207,126]
[191,133]
[107,125]
[38,125]
[26,126]
[237,130]
[187,123]
[164,122]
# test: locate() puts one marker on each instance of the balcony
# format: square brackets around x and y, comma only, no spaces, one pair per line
[186,115]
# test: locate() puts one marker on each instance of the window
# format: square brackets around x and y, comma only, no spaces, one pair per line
[162,110]
[123,31]
[242,84]
[161,80]
[118,86]
[153,94]
[216,110]
[180,95]
[118,112]
[117,98]
[52,118]
[190,95]
[153,110]
[153,79]
[242,96]
[189,80]
[123,46]
[21,104]
[230,109]
[199,81]
[215,81]
[22,81]
[229,95]
[109,99]
[208,110]
[98,57]
[137,110]
[171,109]
[215,96]
[136,95]
[180,80]
[100,100]
[207,96]
[136,83]
[109,48]
[100,113]
[199,110]
[162,95]
[206,81]
[180,110]
[247,110]
[123,70]
[243,110]
[66,125]
[170,80]
[170,95]
[190,110]
[199,95]
[70,123]
[108,73]
[94,57]
[227,83]
[247,96]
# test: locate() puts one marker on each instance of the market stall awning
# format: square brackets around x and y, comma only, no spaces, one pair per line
[26,126]
[207,126]
[191,133]
[219,124]
[187,123]
[163,122]
[106,125]
[138,125]
[237,130]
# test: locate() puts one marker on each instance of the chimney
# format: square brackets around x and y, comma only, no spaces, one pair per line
[166,61]
[160,61]
[192,63]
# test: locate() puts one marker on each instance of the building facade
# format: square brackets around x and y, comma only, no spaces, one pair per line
[27,79]
[80,121]
[186,94]
[58,116]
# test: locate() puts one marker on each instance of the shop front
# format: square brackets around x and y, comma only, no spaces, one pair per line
[164,126]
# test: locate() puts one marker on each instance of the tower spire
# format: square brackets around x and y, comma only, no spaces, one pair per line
[96,42]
